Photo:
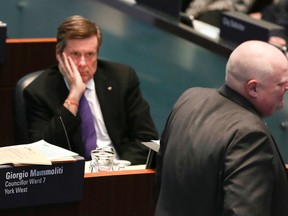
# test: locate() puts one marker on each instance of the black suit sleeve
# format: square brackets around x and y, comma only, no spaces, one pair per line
[249,175]
[47,121]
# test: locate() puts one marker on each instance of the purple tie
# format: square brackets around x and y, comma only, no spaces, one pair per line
[87,127]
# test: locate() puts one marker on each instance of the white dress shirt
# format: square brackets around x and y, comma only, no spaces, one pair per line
[103,138]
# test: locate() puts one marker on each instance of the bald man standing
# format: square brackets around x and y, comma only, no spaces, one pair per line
[216,154]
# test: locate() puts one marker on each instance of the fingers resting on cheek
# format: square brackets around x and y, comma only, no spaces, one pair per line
[66,65]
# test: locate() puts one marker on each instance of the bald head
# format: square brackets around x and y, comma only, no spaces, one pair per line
[257,63]
[253,60]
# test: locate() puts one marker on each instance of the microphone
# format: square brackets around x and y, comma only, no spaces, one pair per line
[66,134]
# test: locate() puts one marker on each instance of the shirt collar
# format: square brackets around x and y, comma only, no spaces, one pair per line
[90,84]
[229,93]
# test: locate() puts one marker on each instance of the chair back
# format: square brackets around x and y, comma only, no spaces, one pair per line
[20,119]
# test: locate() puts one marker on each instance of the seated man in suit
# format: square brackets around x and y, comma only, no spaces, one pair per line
[216,154]
[119,115]
[210,10]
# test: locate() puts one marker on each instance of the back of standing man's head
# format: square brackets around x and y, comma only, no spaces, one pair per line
[254,69]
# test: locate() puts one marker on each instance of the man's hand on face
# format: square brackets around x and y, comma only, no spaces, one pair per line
[69,70]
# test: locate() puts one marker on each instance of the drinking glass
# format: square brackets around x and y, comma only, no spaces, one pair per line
[102,159]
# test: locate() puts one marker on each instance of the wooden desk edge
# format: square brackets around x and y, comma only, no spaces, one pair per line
[30,40]
[118,173]
[129,172]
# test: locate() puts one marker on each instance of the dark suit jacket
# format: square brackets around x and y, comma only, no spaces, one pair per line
[217,158]
[125,112]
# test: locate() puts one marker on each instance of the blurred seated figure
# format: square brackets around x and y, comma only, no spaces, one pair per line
[276,13]
[209,11]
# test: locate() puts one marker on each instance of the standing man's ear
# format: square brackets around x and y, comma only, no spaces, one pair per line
[251,88]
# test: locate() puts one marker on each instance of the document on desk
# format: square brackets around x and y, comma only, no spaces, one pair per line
[22,155]
[29,172]
[41,153]
[52,152]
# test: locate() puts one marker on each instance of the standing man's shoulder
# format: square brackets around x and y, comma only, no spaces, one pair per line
[195,90]
[198,92]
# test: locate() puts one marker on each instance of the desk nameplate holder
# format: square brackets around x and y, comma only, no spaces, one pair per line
[41,184]
[238,27]
[153,147]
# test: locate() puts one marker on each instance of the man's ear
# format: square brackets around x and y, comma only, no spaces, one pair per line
[251,88]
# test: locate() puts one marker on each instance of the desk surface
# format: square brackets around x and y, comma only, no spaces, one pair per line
[129,193]
[171,25]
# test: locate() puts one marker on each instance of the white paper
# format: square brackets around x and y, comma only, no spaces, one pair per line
[40,152]
[22,155]
[51,151]
[206,29]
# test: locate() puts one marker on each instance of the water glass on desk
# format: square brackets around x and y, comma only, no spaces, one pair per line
[102,159]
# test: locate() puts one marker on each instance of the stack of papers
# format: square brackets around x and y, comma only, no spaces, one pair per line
[41,153]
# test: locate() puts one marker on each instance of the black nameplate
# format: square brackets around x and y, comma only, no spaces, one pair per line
[38,185]
[238,27]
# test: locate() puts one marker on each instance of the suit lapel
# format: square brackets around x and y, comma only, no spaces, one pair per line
[106,93]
